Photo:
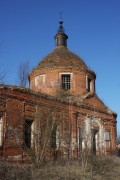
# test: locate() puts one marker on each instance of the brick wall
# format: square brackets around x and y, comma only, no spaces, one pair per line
[22,104]
[52,82]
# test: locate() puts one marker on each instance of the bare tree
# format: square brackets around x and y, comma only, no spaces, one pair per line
[23,71]
[2,75]
[2,71]
[44,139]
[118,138]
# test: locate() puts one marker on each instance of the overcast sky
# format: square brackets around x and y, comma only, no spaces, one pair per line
[27,29]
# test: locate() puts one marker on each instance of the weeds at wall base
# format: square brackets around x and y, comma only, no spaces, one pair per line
[98,168]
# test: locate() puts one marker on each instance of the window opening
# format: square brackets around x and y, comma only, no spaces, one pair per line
[107,139]
[66,81]
[28,133]
[107,136]
[94,141]
[80,138]
[53,138]
[1,131]
[89,80]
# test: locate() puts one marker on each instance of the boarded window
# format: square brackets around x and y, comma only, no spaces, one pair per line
[107,140]
[107,136]
[40,80]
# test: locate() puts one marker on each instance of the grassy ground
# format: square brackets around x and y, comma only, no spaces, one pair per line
[99,169]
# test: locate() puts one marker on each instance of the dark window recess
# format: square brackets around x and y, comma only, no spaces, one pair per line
[66,81]
[89,80]
[80,137]
[53,138]
[61,41]
[94,144]
[27,133]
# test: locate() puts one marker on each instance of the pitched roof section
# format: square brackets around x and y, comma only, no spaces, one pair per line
[90,100]
[83,101]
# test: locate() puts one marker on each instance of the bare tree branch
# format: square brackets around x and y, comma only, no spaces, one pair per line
[2,71]
[2,76]
[23,71]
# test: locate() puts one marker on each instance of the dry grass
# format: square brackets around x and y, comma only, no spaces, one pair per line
[102,169]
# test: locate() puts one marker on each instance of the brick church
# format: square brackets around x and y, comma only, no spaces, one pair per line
[59,114]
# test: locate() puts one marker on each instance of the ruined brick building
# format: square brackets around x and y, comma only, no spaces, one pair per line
[60,111]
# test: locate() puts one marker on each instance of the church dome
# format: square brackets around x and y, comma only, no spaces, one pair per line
[62,70]
[62,57]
